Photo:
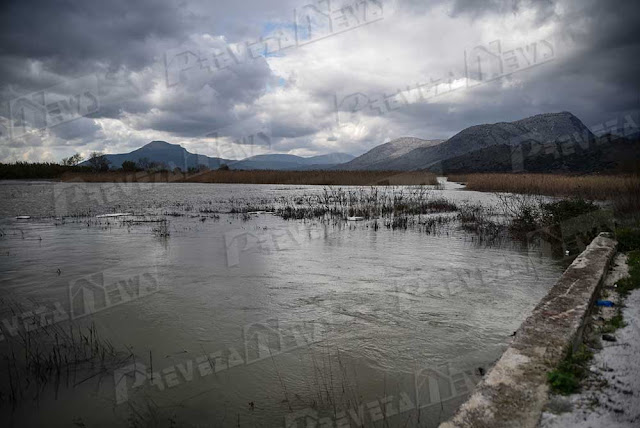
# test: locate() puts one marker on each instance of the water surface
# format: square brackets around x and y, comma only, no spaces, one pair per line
[333,322]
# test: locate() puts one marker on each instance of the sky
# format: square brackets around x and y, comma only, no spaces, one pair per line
[244,77]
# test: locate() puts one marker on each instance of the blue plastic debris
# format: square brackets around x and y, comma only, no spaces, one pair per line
[607,303]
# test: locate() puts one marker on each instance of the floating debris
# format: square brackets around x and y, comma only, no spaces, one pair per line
[113,215]
[23,217]
[356,218]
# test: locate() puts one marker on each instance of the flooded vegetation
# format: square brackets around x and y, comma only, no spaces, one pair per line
[61,355]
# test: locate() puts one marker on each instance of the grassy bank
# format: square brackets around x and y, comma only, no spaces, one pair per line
[342,178]
[632,282]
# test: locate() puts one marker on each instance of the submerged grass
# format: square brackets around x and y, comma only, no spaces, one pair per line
[530,213]
[421,207]
[53,356]
[394,208]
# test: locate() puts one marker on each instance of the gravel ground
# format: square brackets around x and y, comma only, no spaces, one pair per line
[610,395]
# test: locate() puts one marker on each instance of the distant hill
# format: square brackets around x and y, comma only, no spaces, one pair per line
[542,128]
[488,148]
[169,155]
[291,162]
[174,155]
[607,153]
[379,157]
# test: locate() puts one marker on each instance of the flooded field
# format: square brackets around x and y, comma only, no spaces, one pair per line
[203,306]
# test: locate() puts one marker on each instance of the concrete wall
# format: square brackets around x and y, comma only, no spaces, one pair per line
[515,390]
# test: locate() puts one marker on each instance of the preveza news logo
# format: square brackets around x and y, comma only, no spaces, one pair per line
[241,241]
[482,64]
[431,388]
[264,339]
[447,283]
[485,63]
[97,292]
[33,319]
[311,22]
[273,337]
[78,196]
[53,106]
[531,145]
[242,139]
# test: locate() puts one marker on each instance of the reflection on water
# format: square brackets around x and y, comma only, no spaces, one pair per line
[257,320]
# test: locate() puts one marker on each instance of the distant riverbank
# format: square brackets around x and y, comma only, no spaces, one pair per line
[345,178]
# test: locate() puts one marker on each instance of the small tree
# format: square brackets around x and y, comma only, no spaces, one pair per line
[161,167]
[99,161]
[224,167]
[129,166]
[144,164]
[72,160]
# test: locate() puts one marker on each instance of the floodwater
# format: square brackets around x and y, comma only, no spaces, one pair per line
[254,320]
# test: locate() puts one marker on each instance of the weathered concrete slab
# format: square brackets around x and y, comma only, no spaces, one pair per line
[515,390]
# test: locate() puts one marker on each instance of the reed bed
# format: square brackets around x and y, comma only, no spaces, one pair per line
[593,187]
[622,191]
[53,355]
[320,177]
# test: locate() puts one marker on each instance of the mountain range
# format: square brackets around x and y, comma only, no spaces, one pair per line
[174,155]
[434,154]
[291,162]
[381,156]
[551,142]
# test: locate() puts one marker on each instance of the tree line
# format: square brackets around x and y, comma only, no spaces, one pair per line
[96,162]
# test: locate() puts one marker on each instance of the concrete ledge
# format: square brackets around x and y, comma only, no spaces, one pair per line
[515,390]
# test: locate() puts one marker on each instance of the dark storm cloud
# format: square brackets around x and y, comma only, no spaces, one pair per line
[595,74]
[544,9]
[73,34]
[123,44]
[602,75]
[70,36]
[78,129]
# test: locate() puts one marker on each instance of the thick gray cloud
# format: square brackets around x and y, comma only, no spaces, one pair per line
[114,75]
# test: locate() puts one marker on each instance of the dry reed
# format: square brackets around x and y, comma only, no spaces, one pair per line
[600,187]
